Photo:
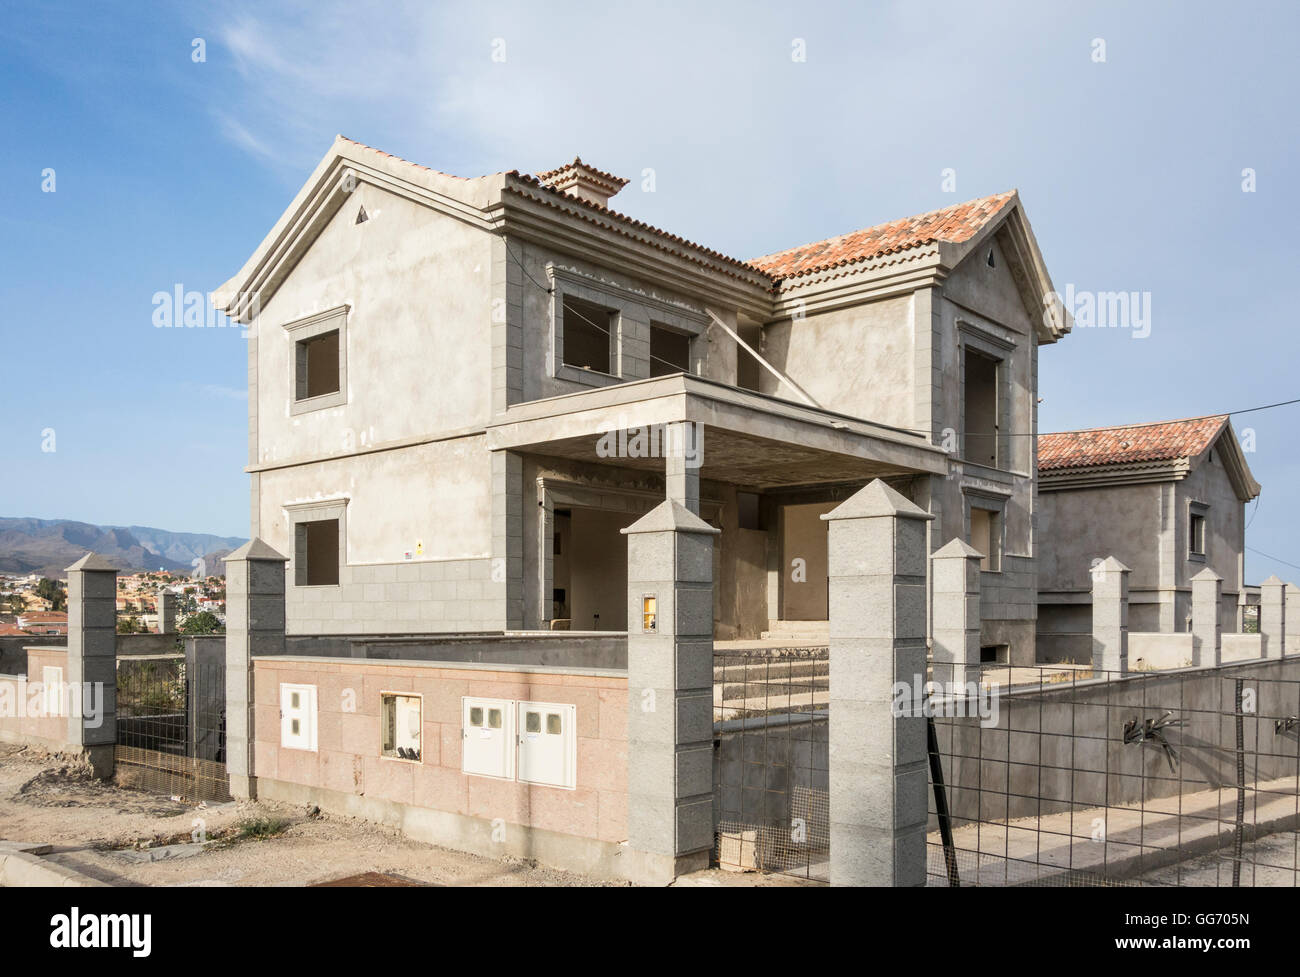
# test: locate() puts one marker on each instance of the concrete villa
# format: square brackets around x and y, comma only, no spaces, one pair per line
[1166,499]
[437,365]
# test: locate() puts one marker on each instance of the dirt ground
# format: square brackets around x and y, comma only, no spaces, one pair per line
[130,837]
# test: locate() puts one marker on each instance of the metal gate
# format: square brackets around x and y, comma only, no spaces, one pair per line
[171,724]
[1073,777]
[770,759]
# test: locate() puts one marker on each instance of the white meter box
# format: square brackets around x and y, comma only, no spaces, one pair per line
[298,717]
[548,746]
[488,737]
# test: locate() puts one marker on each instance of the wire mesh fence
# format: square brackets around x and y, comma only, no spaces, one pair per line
[1062,776]
[171,726]
[770,759]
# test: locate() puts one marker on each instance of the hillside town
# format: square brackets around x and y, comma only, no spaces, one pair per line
[31,604]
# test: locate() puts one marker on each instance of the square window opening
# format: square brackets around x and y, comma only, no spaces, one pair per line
[401,723]
[317,551]
[670,351]
[588,335]
[317,365]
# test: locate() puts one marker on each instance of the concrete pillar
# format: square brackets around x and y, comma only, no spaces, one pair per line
[1110,617]
[1292,619]
[955,594]
[254,626]
[683,449]
[1207,590]
[670,692]
[91,697]
[1272,616]
[166,612]
[878,771]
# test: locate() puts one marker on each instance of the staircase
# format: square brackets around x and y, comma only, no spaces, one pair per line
[797,631]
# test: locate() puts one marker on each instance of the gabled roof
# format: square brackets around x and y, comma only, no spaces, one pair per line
[953,230]
[1161,441]
[954,225]
[1141,452]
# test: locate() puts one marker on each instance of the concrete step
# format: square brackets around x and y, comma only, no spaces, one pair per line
[775,691]
[759,671]
[787,630]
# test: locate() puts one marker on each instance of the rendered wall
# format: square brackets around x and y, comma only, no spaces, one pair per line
[22,719]
[348,765]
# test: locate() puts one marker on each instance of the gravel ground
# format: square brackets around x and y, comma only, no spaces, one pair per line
[130,837]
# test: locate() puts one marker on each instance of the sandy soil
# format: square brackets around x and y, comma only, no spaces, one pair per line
[109,832]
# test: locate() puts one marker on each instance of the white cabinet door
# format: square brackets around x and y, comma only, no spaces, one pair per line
[487,737]
[548,743]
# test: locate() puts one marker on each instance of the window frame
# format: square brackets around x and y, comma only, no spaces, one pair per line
[322,511]
[996,506]
[633,311]
[303,330]
[981,341]
[1198,511]
[394,695]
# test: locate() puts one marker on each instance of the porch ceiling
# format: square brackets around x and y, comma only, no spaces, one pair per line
[749,439]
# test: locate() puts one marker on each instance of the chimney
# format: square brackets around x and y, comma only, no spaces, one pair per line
[583,181]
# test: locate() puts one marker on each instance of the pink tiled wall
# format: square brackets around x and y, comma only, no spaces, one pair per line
[348,743]
[16,698]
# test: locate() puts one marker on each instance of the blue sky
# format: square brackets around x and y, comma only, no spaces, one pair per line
[169,171]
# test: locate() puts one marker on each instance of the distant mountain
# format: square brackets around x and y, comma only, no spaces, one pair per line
[185,547]
[49,546]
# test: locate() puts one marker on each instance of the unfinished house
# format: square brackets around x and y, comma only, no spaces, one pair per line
[456,388]
[1166,499]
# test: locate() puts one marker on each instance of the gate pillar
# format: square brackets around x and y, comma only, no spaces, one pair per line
[254,626]
[878,773]
[91,698]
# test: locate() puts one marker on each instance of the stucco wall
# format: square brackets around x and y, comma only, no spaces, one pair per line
[856,360]
[418,340]
[348,759]
[22,717]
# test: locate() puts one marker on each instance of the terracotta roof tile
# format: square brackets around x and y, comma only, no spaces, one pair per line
[954,225]
[1162,441]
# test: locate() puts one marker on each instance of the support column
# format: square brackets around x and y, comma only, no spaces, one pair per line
[1110,617]
[1207,589]
[92,661]
[1292,619]
[683,449]
[255,583]
[878,773]
[1272,617]
[670,692]
[955,592]
[166,612]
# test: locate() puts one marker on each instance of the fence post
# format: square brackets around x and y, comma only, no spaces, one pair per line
[878,774]
[254,626]
[669,692]
[1292,621]
[1110,616]
[92,661]
[955,590]
[1207,645]
[166,612]
[1272,616]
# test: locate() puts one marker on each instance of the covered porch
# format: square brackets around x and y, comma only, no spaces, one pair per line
[761,469]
